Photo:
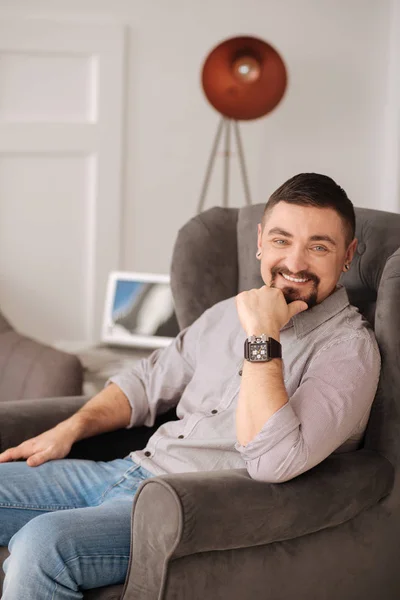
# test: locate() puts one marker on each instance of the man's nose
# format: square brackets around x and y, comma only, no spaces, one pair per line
[296,260]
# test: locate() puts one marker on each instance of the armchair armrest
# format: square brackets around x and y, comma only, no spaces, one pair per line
[23,419]
[224,510]
[30,369]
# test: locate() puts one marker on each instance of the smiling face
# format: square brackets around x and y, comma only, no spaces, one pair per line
[303,251]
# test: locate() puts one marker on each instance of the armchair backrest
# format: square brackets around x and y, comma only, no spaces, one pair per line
[214,258]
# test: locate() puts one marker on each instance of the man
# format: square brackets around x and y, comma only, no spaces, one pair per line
[304,390]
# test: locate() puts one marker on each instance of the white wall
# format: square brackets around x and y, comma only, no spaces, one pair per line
[334,117]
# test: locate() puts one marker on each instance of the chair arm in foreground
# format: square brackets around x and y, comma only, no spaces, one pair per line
[179,515]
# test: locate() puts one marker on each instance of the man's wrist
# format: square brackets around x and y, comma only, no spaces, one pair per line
[74,427]
[269,331]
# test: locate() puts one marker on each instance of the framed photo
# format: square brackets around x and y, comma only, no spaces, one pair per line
[139,310]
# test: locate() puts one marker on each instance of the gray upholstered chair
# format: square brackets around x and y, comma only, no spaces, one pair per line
[331,533]
[30,369]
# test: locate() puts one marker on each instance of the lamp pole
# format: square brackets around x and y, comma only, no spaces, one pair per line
[225,124]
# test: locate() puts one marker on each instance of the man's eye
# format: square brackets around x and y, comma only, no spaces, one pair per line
[280,242]
[320,248]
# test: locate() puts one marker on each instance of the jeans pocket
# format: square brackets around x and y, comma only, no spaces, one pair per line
[131,479]
[121,482]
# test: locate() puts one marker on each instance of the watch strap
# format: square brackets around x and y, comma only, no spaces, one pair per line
[274,348]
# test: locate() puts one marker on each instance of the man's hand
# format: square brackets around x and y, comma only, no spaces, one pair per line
[50,445]
[265,310]
[107,411]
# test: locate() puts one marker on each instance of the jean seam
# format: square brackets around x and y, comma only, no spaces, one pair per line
[41,507]
[80,556]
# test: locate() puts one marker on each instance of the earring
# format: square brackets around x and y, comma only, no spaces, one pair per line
[258,254]
[347,266]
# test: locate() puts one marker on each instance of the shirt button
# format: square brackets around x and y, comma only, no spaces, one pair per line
[214,412]
[147,453]
[180,437]
[240,372]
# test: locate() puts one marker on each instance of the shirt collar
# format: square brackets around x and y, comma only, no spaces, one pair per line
[308,320]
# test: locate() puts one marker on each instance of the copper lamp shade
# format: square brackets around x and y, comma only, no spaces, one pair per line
[244,78]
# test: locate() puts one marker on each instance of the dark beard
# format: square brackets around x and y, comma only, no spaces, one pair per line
[290,293]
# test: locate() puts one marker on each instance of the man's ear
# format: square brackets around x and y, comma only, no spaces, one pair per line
[351,250]
[259,236]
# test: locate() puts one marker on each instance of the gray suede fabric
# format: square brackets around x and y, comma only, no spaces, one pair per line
[29,369]
[150,558]
[248,265]
[331,533]
[338,563]
[4,324]
[206,512]
[344,485]
[204,267]
[383,432]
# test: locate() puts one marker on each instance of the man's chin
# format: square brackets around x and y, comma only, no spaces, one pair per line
[292,294]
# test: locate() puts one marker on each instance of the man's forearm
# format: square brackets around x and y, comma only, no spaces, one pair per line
[107,411]
[262,393]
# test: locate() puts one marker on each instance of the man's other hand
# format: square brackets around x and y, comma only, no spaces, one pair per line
[50,445]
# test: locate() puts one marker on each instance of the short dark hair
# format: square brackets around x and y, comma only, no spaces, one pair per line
[313,189]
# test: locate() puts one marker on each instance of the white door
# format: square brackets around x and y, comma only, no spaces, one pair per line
[61,113]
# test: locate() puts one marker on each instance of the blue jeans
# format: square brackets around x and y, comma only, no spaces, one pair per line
[67,526]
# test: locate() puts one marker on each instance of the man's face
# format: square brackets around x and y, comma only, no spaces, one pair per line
[303,251]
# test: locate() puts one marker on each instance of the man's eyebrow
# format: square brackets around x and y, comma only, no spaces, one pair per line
[323,238]
[279,231]
[313,238]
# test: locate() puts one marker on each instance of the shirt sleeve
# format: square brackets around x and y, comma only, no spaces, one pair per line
[155,384]
[334,396]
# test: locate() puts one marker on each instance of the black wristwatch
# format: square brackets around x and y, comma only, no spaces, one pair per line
[261,348]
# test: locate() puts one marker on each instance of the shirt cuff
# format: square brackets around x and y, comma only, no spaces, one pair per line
[134,391]
[283,422]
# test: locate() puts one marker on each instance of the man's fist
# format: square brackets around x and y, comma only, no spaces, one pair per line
[265,310]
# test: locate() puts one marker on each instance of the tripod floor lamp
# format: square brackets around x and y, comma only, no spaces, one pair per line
[243,78]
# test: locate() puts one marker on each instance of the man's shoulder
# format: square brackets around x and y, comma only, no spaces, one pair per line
[351,321]
[348,326]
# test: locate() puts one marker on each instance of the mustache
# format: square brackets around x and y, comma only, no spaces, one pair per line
[300,275]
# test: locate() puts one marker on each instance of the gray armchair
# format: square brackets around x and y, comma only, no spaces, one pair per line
[331,533]
[30,369]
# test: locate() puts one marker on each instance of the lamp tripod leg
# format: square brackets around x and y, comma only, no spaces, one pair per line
[227,157]
[242,163]
[210,165]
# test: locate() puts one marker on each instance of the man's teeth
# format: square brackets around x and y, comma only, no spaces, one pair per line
[295,279]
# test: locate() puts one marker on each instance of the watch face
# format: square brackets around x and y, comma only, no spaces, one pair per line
[258,352]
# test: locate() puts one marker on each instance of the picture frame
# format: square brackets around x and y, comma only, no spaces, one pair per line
[138,310]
